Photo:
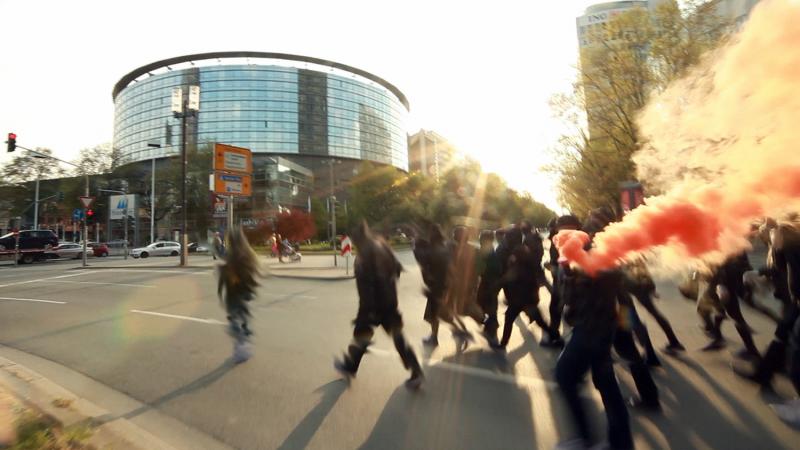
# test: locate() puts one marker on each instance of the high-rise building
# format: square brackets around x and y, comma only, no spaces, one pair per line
[429,153]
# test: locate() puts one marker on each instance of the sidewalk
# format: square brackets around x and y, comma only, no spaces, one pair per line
[34,411]
[311,267]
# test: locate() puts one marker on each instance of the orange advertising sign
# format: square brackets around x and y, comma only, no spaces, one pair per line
[228,158]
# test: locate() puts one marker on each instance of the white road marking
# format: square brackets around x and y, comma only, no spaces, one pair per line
[35,300]
[309,297]
[176,316]
[48,278]
[101,283]
[181,272]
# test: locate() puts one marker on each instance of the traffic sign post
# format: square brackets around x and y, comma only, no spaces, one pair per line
[86,201]
[347,251]
[233,172]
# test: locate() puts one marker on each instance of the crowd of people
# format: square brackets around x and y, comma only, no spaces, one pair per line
[463,282]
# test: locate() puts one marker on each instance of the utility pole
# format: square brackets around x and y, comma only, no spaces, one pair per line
[153,192]
[36,206]
[333,213]
[183,107]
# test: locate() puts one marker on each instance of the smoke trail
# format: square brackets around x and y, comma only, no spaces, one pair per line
[722,144]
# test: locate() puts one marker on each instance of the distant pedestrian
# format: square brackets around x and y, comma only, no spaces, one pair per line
[377,270]
[218,246]
[236,287]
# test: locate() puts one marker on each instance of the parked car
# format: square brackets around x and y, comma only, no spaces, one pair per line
[165,248]
[194,247]
[98,248]
[70,250]
[30,239]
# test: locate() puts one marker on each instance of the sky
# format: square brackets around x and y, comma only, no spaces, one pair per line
[478,73]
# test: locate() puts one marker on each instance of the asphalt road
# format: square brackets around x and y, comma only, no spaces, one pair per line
[156,333]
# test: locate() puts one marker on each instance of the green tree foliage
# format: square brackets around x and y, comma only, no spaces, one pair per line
[96,160]
[28,167]
[389,199]
[635,55]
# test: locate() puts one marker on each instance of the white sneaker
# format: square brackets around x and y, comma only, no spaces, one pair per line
[572,444]
[241,352]
[789,411]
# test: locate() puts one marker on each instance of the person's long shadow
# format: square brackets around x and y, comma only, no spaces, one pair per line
[691,420]
[455,409]
[305,430]
[199,383]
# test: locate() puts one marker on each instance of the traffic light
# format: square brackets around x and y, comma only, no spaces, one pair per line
[89,215]
[60,196]
[12,142]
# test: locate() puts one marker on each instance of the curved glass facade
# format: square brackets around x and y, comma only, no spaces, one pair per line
[269,109]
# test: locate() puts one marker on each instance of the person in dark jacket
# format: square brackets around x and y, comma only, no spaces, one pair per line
[434,259]
[377,270]
[590,307]
[491,272]
[520,280]
[553,338]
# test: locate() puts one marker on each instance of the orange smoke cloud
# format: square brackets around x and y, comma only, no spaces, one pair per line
[721,143]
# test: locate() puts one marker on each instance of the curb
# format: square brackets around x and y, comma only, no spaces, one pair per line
[312,277]
[40,392]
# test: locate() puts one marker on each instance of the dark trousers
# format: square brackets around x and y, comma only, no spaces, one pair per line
[362,338]
[626,348]
[646,300]
[515,308]
[556,308]
[583,352]
[794,355]
[487,300]
[779,349]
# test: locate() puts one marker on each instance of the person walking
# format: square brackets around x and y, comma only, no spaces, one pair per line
[553,338]
[491,272]
[377,270]
[237,282]
[218,246]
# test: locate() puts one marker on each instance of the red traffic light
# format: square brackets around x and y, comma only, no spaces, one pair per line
[89,213]
[12,142]
[12,136]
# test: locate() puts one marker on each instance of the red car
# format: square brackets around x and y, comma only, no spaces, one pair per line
[98,249]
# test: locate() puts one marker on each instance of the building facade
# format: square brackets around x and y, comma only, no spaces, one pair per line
[273,104]
[429,153]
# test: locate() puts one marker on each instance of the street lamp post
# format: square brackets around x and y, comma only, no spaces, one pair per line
[332,203]
[183,107]
[153,192]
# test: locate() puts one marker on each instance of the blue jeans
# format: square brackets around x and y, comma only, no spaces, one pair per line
[588,351]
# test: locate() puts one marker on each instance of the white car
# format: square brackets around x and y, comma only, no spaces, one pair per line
[164,248]
[71,250]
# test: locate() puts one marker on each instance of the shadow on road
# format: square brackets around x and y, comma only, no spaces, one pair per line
[200,383]
[685,426]
[305,430]
[457,411]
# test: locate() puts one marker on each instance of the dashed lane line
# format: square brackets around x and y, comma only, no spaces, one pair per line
[34,300]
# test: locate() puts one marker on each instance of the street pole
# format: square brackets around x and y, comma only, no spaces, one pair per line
[184,216]
[152,200]
[333,215]
[84,235]
[36,206]
[230,215]
[125,224]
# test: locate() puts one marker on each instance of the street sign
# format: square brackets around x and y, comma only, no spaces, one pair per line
[233,159]
[177,100]
[77,214]
[230,184]
[347,247]
[194,98]
[86,201]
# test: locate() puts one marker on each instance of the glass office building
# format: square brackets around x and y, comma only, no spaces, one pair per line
[300,108]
